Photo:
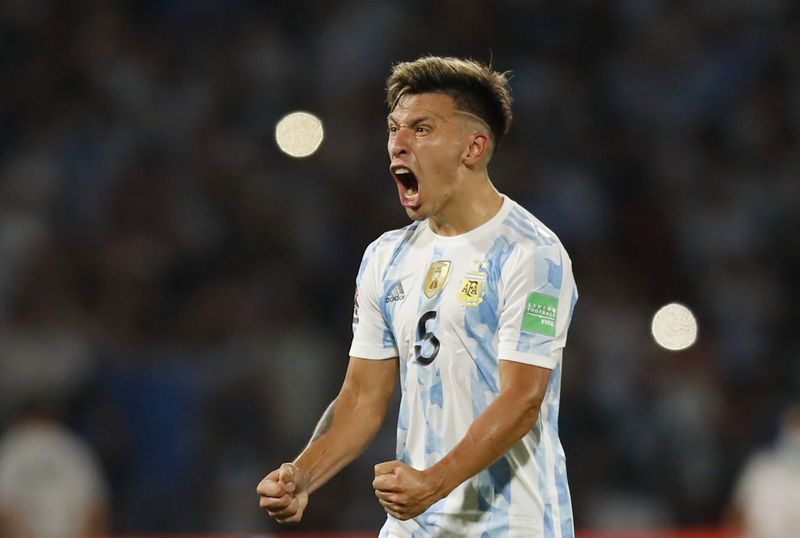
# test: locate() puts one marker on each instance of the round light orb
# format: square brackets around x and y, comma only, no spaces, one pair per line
[674,327]
[299,134]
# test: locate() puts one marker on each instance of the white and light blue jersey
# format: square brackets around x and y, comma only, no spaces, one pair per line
[451,308]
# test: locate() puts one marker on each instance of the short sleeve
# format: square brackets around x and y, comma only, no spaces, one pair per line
[372,337]
[539,295]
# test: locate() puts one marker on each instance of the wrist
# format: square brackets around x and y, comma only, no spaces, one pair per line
[302,472]
[437,477]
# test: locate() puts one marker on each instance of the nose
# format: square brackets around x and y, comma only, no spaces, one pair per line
[398,143]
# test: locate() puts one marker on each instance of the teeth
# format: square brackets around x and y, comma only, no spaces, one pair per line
[399,171]
[411,192]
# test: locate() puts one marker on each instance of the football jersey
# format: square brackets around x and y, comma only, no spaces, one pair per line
[450,308]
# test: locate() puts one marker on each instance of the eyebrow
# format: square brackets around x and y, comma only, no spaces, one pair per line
[414,121]
[428,117]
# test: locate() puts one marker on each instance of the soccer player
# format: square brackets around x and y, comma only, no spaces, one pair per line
[470,305]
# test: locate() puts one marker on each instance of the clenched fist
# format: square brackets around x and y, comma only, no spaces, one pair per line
[284,494]
[403,491]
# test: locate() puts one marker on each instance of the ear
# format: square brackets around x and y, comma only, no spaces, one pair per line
[478,149]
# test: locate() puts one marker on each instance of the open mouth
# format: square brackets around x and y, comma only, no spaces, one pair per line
[407,186]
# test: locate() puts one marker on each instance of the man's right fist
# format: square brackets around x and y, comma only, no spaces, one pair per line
[283,494]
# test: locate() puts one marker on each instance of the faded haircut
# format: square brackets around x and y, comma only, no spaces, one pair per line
[474,87]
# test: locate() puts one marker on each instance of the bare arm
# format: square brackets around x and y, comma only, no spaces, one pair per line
[351,420]
[343,432]
[405,492]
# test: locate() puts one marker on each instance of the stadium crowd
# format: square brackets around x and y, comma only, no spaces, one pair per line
[182,291]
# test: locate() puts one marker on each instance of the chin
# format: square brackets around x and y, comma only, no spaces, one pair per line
[416,214]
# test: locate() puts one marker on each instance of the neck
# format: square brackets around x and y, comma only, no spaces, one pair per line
[467,209]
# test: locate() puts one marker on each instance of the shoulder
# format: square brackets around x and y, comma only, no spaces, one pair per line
[531,240]
[386,248]
[391,242]
[521,225]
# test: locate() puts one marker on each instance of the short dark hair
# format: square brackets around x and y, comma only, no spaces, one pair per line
[474,87]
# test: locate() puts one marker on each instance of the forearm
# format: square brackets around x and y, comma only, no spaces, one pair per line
[342,434]
[492,434]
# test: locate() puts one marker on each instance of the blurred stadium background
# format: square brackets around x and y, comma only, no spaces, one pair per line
[181,288]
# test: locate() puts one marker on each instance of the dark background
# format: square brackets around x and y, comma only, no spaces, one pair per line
[183,289]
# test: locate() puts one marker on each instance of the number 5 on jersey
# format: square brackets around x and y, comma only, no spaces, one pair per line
[427,346]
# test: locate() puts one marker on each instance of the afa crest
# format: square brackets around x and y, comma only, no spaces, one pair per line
[472,289]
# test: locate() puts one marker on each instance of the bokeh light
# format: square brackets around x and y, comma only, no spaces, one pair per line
[299,134]
[674,327]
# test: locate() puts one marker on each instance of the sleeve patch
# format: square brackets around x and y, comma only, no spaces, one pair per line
[540,314]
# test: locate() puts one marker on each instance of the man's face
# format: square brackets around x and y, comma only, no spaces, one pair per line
[427,140]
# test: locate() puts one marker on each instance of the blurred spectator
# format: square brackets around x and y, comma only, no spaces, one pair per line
[51,483]
[766,502]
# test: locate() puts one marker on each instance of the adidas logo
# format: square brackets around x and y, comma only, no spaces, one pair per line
[396,293]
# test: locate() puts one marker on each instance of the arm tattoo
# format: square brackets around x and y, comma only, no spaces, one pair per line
[324,423]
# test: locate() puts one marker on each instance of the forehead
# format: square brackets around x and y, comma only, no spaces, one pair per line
[439,105]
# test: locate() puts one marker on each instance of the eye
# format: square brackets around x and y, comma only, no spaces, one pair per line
[391,129]
[422,129]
